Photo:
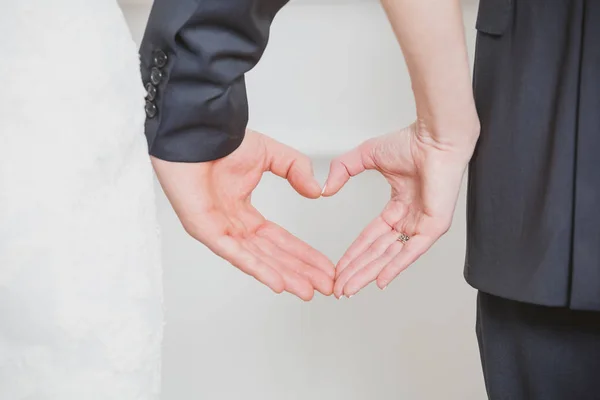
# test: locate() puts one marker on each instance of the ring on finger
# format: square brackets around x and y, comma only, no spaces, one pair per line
[403,237]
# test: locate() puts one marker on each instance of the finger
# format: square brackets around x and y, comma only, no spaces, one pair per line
[393,212]
[318,279]
[346,166]
[412,250]
[372,232]
[232,250]
[375,250]
[294,166]
[370,272]
[296,248]
[294,283]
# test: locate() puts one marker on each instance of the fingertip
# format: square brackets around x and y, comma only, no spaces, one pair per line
[278,287]
[350,291]
[308,296]
[387,276]
[324,189]
[340,289]
[315,190]
[331,189]
[340,284]
[277,283]
[328,189]
[297,168]
[336,179]
[337,291]
[276,290]
[312,187]
[306,186]
[328,289]
[323,285]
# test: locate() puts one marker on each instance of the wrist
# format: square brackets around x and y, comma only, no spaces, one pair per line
[454,136]
[451,122]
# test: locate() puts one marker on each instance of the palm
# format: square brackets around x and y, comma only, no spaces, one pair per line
[424,179]
[213,201]
[229,208]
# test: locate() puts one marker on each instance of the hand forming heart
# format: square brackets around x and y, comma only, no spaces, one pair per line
[425,177]
[212,200]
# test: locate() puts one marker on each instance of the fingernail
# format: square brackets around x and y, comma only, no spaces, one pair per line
[324,188]
[383,288]
[350,296]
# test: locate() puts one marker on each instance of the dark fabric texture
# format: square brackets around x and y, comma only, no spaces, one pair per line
[532,352]
[201,103]
[533,217]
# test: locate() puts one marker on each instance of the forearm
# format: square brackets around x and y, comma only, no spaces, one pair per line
[431,35]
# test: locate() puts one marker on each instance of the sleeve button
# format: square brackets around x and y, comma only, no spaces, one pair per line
[156,76]
[151,109]
[150,91]
[160,58]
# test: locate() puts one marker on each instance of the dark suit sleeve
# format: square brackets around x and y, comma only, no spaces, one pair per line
[194,56]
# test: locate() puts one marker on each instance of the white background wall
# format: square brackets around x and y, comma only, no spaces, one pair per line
[332,76]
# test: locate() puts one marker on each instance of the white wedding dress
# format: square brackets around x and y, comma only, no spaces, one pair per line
[80,277]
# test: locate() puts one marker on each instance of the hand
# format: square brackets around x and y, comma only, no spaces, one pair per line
[212,200]
[425,177]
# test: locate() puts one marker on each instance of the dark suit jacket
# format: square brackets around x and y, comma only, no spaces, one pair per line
[534,185]
[194,56]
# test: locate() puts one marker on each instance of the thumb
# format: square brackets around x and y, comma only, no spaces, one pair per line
[348,165]
[290,164]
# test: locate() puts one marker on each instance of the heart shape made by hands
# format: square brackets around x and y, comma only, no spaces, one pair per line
[213,202]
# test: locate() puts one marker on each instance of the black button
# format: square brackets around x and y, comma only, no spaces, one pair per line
[151,109]
[150,91]
[156,76]
[160,58]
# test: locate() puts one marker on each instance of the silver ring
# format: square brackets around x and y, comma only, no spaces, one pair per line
[403,237]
